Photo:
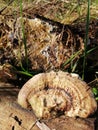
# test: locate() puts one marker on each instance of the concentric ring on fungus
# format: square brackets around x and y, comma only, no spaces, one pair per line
[55,93]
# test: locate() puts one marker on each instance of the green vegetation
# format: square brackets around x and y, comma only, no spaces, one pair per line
[86,39]
[95,91]
[23,36]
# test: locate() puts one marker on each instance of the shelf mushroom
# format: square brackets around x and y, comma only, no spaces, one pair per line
[53,94]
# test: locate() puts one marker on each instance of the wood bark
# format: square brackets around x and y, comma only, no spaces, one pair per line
[14,117]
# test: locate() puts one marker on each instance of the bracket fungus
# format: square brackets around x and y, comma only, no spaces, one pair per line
[53,93]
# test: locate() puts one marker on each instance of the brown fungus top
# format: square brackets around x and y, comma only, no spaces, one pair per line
[55,93]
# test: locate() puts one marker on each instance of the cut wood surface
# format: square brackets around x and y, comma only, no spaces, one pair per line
[14,117]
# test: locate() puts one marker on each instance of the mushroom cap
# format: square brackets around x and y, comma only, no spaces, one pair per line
[55,93]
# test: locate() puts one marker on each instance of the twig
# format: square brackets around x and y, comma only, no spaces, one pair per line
[42,125]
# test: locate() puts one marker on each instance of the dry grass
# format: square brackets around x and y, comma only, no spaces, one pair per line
[65,12]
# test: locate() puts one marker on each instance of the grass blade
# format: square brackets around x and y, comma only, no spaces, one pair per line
[86,39]
[72,58]
[23,35]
